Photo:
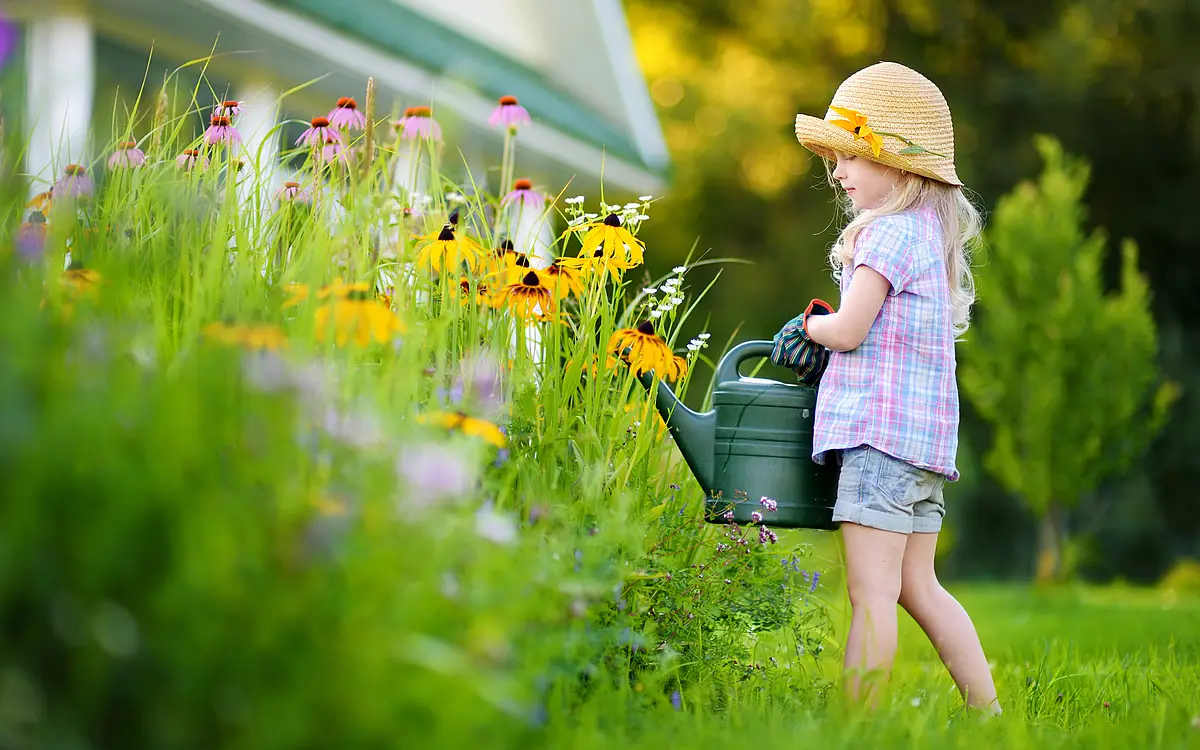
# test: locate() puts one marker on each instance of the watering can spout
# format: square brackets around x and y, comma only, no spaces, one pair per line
[694,433]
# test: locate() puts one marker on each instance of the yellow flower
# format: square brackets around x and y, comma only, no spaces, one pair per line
[647,352]
[359,314]
[468,425]
[81,279]
[338,289]
[592,367]
[449,251]
[563,280]
[483,297]
[42,201]
[616,241]
[856,124]
[523,296]
[298,292]
[263,336]
[585,266]
[646,406]
[512,267]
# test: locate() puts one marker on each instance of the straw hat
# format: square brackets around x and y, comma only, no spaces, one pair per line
[891,114]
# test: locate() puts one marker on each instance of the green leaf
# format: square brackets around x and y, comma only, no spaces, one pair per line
[913,150]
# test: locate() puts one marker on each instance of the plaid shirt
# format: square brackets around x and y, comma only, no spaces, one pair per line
[897,391]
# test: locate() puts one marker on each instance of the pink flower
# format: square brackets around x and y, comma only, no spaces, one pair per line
[509,113]
[418,122]
[346,115]
[127,155]
[74,183]
[524,195]
[30,241]
[292,192]
[319,134]
[190,157]
[228,108]
[221,130]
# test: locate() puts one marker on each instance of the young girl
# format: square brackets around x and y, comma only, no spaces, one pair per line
[887,407]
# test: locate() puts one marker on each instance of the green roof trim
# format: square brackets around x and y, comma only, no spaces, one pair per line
[409,35]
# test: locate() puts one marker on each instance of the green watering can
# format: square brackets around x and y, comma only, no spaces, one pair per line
[756,442]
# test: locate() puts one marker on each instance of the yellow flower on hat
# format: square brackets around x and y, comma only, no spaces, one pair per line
[856,124]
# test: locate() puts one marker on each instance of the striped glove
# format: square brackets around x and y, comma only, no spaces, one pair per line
[797,352]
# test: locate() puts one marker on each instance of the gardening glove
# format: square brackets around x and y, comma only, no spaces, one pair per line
[799,353]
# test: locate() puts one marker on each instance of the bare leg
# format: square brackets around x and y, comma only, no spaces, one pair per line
[947,624]
[874,561]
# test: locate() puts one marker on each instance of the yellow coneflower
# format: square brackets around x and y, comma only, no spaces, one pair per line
[592,366]
[526,294]
[512,267]
[482,297]
[357,313]
[647,352]
[338,289]
[42,201]
[249,336]
[452,420]
[449,251]
[615,240]
[298,293]
[498,260]
[563,280]
[81,279]
[590,264]
[647,411]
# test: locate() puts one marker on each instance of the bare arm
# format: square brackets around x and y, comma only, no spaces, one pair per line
[847,328]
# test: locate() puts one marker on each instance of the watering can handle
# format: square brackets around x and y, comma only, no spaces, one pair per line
[727,368]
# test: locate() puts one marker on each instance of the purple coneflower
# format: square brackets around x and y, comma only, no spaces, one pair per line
[524,194]
[418,122]
[31,238]
[509,113]
[221,130]
[292,192]
[74,183]
[190,158]
[127,156]
[318,134]
[228,108]
[346,115]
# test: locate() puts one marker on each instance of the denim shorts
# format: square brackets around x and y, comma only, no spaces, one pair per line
[886,493]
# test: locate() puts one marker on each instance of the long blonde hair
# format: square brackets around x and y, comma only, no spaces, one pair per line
[961,224]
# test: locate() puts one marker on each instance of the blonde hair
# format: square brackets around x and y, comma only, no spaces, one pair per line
[961,224]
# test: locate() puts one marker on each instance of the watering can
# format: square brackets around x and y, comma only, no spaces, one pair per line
[755,443]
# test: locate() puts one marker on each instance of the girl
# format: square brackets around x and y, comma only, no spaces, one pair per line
[887,407]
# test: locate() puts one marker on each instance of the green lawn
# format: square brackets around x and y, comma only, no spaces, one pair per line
[1059,656]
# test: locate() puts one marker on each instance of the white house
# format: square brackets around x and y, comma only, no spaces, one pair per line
[569,62]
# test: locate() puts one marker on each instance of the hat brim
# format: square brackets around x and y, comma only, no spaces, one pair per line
[824,139]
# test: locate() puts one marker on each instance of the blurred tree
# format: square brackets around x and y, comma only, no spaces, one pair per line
[1063,371]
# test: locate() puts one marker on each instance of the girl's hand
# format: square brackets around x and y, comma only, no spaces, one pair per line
[847,328]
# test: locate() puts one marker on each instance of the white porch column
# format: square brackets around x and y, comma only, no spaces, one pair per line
[60,90]
[532,233]
[260,114]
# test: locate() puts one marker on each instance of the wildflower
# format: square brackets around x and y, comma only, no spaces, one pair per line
[357,313]
[856,124]
[645,198]
[457,420]
[346,115]
[647,352]
[418,122]
[249,336]
[525,296]
[586,265]
[756,517]
[433,473]
[319,133]
[228,108]
[524,195]
[30,241]
[74,183]
[815,580]
[41,201]
[563,280]
[501,259]
[509,113]
[765,536]
[768,504]
[495,527]
[291,192]
[449,251]
[189,159]
[127,155]
[221,130]
[511,267]
[482,296]
[615,240]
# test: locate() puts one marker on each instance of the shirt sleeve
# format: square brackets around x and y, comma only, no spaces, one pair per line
[885,246]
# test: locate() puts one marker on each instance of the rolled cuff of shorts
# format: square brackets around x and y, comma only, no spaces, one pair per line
[855,513]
